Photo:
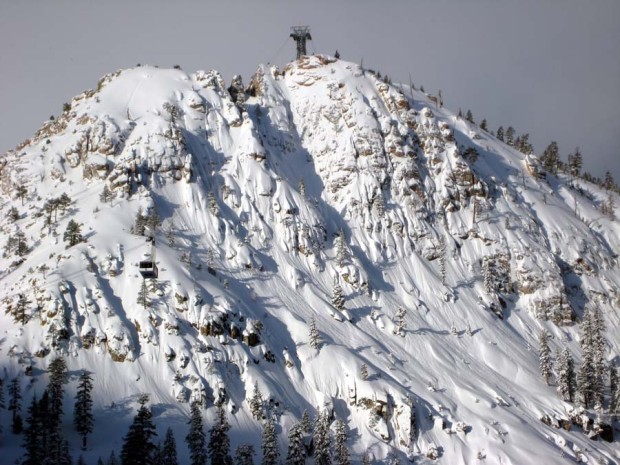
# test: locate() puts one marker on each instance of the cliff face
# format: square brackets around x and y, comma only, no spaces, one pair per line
[451,251]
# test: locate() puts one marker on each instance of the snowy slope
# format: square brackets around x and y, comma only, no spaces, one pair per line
[253,191]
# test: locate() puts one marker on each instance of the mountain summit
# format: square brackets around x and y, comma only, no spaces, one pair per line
[319,240]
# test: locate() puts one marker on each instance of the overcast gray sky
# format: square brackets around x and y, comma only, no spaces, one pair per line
[550,68]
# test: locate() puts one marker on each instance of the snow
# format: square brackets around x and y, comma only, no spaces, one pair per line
[351,139]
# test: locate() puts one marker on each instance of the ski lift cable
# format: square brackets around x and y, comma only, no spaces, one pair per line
[277,53]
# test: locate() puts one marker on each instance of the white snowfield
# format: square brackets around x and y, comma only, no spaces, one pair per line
[256,195]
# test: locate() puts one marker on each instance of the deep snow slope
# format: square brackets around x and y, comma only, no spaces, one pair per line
[318,173]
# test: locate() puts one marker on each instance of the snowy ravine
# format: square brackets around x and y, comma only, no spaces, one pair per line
[451,262]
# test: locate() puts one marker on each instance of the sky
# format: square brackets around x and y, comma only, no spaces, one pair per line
[549,68]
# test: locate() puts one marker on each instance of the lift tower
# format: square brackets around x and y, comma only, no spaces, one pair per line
[300,34]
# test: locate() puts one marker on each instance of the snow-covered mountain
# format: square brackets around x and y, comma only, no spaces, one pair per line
[451,249]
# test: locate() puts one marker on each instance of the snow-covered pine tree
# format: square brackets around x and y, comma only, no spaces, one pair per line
[195,439]
[106,194]
[212,204]
[153,221]
[256,403]
[338,299]
[510,136]
[244,455]
[57,372]
[600,353]
[139,224]
[442,260]
[73,233]
[296,454]
[302,188]
[13,214]
[500,133]
[322,440]
[15,405]
[544,356]
[366,458]
[364,372]
[401,326]
[575,162]
[83,410]
[469,116]
[550,158]
[143,295]
[315,337]
[138,446]
[168,452]
[567,382]
[21,192]
[341,452]
[483,125]
[21,306]
[468,330]
[306,425]
[219,442]
[453,330]
[342,252]
[271,452]
[379,204]
[614,387]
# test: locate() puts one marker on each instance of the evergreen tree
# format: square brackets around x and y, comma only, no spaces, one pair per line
[469,117]
[566,375]
[364,372]
[575,162]
[271,452]
[296,454]
[244,455]
[551,158]
[510,136]
[21,191]
[544,355]
[83,410]
[138,446]
[341,453]
[302,188]
[112,460]
[57,372]
[143,295]
[33,444]
[13,214]
[483,125]
[306,425]
[337,295]
[212,204]
[15,405]
[468,330]
[195,439]
[21,306]
[106,194]
[81,460]
[379,205]
[342,254]
[219,443]
[500,133]
[315,337]
[442,260]
[168,452]
[614,387]
[608,181]
[73,233]
[524,145]
[139,224]
[401,326]
[366,458]
[153,221]
[100,461]
[587,381]
[256,403]
[2,402]
[322,440]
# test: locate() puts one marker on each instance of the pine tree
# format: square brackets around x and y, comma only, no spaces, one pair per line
[212,204]
[138,446]
[614,387]
[256,403]
[153,221]
[296,454]
[219,443]
[442,260]
[271,452]
[106,194]
[34,441]
[364,372]
[21,306]
[81,460]
[73,233]
[83,411]
[544,355]
[139,224]
[315,337]
[342,254]
[341,453]
[566,375]
[322,440]
[600,353]
[57,372]
[21,191]
[306,425]
[13,214]
[337,295]
[500,133]
[483,125]
[365,458]
[575,162]
[551,158]
[302,188]
[510,136]
[401,326]
[453,330]
[379,205]
[587,382]
[112,460]
[168,452]
[143,295]
[469,117]
[195,439]
[608,181]
[15,405]
[2,402]
[244,455]
[468,330]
